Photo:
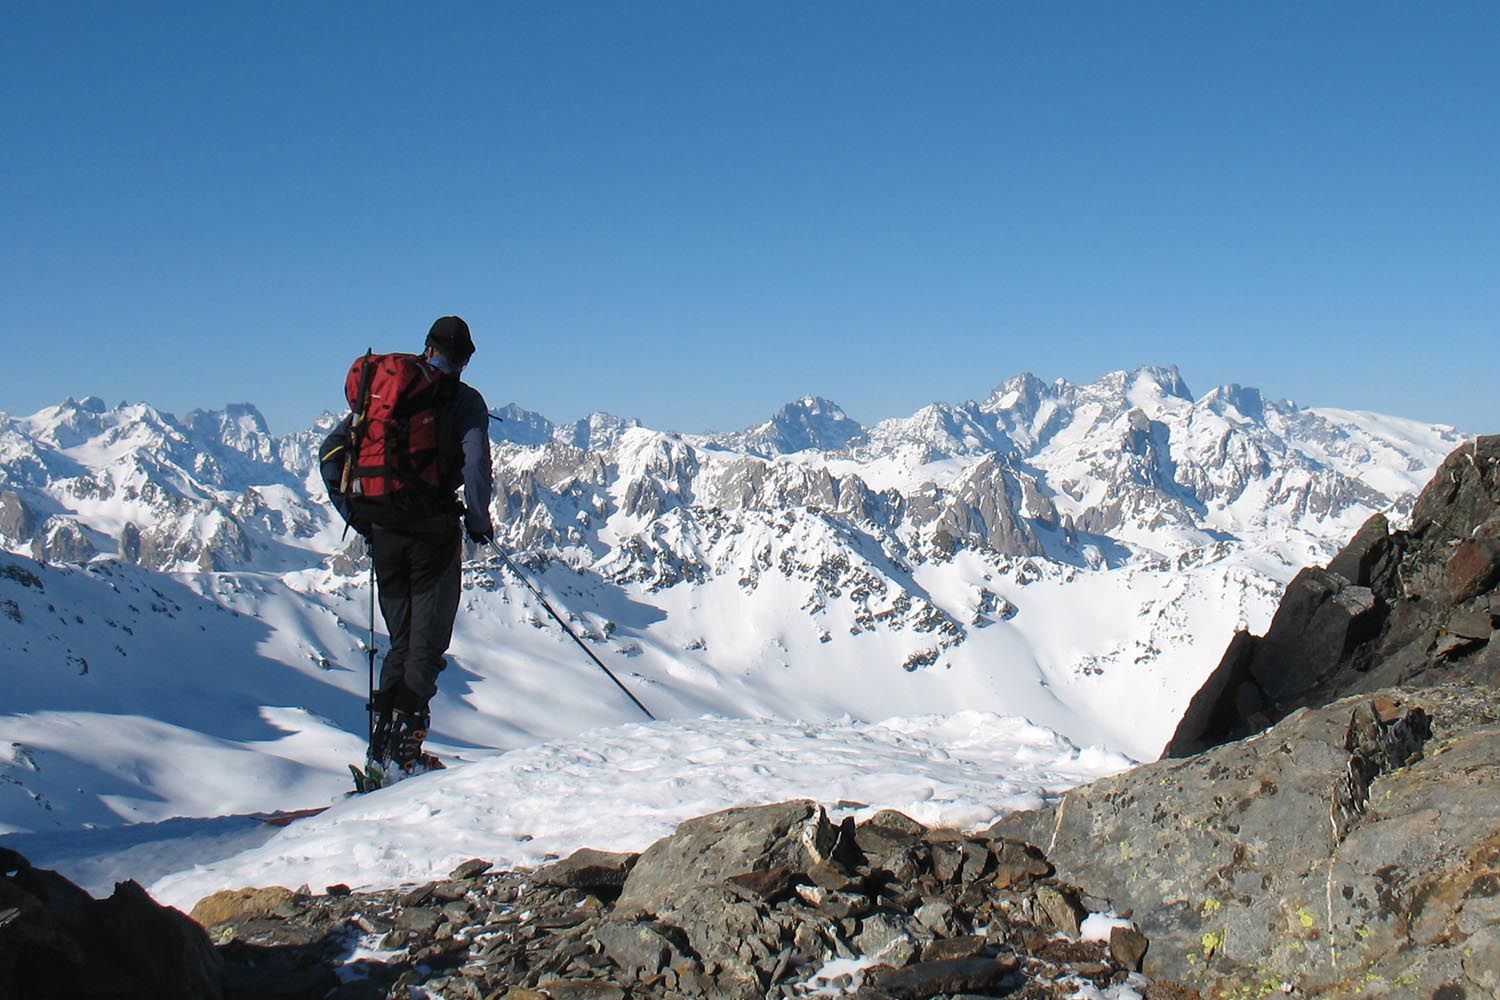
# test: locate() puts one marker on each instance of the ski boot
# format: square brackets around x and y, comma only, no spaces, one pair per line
[377,770]
[408,730]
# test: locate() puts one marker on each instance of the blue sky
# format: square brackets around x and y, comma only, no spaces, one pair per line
[691,213]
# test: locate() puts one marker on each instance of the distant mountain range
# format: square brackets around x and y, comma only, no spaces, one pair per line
[1078,554]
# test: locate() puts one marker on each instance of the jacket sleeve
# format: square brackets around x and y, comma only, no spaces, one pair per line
[331,458]
[479,477]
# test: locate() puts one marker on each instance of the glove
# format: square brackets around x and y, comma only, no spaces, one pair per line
[481,535]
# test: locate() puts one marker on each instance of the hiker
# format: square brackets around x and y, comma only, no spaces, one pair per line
[415,433]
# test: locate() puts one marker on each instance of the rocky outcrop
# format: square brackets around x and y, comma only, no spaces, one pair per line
[18,522]
[983,511]
[58,943]
[1405,607]
[210,540]
[62,541]
[752,902]
[1349,851]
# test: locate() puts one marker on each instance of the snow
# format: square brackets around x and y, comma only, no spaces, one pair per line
[622,788]
[837,977]
[1097,926]
[1130,990]
[151,716]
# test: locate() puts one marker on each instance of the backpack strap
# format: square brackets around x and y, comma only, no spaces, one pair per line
[356,426]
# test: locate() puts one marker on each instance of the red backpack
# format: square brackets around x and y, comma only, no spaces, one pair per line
[393,460]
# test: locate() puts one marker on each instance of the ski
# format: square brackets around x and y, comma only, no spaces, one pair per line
[366,778]
[372,775]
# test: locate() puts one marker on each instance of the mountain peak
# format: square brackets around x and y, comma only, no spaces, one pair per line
[1245,400]
[245,417]
[1020,392]
[599,431]
[1164,377]
[810,406]
[811,423]
[518,425]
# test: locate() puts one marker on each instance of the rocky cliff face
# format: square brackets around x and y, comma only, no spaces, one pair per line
[1407,607]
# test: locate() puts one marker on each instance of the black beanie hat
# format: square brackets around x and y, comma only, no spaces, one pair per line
[450,335]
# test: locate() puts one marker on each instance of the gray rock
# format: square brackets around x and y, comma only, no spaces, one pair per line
[17,520]
[886,938]
[1017,865]
[1128,946]
[1359,562]
[63,541]
[600,872]
[965,946]
[1471,624]
[927,979]
[1062,909]
[711,848]
[1481,961]
[937,916]
[736,941]
[637,947]
[985,511]
[947,861]
[130,543]
[773,885]
[454,889]
[1231,864]
[562,989]
[419,920]
[907,863]
[473,868]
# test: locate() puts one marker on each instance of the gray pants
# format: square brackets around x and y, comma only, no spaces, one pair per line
[418,571]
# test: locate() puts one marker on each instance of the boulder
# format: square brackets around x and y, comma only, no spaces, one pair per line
[473,868]
[710,849]
[1473,569]
[693,884]
[1339,850]
[944,977]
[56,942]
[232,904]
[600,872]
[1367,555]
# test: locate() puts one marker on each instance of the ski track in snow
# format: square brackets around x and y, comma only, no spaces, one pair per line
[622,788]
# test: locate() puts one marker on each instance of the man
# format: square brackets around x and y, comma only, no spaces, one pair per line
[416,544]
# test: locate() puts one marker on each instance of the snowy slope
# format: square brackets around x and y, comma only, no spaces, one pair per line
[177,600]
[623,788]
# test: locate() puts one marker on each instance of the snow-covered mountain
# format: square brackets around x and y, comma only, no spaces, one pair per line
[1077,555]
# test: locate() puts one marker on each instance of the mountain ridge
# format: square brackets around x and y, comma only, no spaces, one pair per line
[1054,552]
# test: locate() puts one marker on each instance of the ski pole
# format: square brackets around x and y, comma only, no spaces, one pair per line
[558,618]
